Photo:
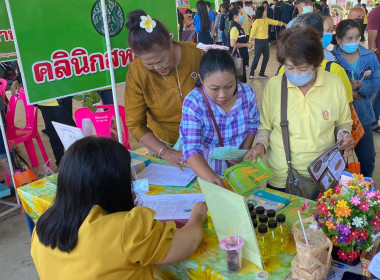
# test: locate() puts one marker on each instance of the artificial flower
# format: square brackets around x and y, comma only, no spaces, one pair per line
[341,203]
[330,225]
[147,23]
[304,206]
[343,212]
[344,229]
[322,208]
[375,222]
[364,206]
[370,195]
[342,254]
[338,188]
[363,234]
[329,191]
[342,238]
[355,200]
[357,221]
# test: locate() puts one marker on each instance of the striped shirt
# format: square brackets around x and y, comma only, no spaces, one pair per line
[198,132]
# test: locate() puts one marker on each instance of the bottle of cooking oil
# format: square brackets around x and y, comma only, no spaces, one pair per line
[254,222]
[271,213]
[263,219]
[253,215]
[251,207]
[264,243]
[210,224]
[275,238]
[283,230]
[260,210]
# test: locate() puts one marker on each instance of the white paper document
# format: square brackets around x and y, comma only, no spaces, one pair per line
[171,206]
[68,134]
[165,175]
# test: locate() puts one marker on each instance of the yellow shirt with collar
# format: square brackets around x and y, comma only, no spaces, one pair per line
[310,134]
[338,70]
[260,28]
[122,245]
[245,24]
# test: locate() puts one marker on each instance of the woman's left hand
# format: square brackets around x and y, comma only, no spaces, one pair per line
[348,144]
[356,85]
[235,161]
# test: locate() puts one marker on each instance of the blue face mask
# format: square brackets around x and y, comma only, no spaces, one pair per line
[307,9]
[299,80]
[242,19]
[350,48]
[327,38]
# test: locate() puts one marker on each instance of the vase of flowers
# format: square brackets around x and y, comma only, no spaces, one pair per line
[349,216]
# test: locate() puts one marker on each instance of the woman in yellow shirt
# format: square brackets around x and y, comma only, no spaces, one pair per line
[94,230]
[259,32]
[317,119]
[157,82]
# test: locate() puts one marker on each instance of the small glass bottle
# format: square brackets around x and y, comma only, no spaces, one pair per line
[210,224]
[253,215]
[263,219]
[251,207]
[260,210]
[271,213]
[254,222]
[274,237]
[264,243]
[284,230]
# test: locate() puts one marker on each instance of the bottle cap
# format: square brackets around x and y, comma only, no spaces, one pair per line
[251,207]
[271,213]
[281,218]
[272,223]
[254,222]
[260,210]
[253,215]
[263,218]
[263,228]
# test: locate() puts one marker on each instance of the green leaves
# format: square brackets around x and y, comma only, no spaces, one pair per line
[88,99]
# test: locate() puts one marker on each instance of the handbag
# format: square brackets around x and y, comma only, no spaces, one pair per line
[239,64]
[214,121]
[357,128]
[24,174]
[354,167]
[296,183]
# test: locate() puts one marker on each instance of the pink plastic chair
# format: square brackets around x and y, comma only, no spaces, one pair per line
[3,86]
[25,135]
[102,121]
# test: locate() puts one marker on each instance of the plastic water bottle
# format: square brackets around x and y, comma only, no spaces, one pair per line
[274,237]
[283,230]
[264,243]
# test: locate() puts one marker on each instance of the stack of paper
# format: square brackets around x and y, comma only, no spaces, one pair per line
[165,175]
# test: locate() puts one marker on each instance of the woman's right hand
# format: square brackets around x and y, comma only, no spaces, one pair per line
[173,157]
[215,179]
[254,152]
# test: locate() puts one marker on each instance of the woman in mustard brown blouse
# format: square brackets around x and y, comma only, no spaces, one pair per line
[157,82]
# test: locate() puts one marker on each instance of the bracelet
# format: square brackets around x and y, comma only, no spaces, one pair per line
[163,148]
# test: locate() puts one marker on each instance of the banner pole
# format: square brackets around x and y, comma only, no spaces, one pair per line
[112,74]
[8,157]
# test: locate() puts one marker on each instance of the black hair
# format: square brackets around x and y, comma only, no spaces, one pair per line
[313,20]
[142,41]
[265,2]
[344,26]
[239,4]
[225,6]
[259,12]
[203,16]
[208,4]
[233,12]
[365,8]
[215,61]
[188,11]
[93,171]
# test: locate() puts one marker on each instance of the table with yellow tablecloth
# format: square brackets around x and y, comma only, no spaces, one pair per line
[209,261]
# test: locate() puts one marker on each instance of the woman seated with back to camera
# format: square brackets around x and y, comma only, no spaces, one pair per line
[316,114]
[94,230]
[235,110]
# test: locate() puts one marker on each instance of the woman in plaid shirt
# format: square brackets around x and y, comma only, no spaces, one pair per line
[234,107]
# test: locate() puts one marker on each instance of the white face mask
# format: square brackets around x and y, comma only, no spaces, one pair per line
[307,9]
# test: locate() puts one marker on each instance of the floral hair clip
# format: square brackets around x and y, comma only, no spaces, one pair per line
[148,23]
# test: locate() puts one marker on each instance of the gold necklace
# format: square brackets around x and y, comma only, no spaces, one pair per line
[179,91]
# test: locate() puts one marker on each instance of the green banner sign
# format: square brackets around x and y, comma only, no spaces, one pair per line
[7,46]
[61,44]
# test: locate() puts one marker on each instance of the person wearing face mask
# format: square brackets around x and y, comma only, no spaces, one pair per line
[317,119]
[238,39]
[233,107]
[362,67]
[259,32]
[358,14]
[303,7]
[157,81]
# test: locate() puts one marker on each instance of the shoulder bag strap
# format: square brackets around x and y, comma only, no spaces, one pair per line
[284,119]
[213,120]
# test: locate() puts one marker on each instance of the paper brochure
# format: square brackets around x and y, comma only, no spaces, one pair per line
[247,175]
[171,206]
[164,175]
[68,134]
[229,211]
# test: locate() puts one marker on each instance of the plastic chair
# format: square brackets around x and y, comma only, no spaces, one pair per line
[3,86]
[25,135]
[102,120]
